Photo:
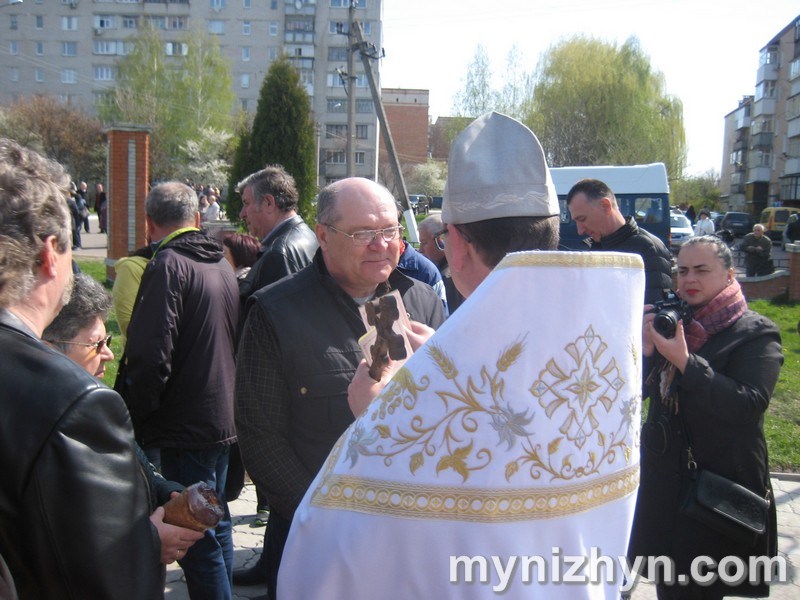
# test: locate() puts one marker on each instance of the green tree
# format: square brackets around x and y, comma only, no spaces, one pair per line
[478,96]
[596,103]
[701,191]
[283,132]
[176,96]
[59,131]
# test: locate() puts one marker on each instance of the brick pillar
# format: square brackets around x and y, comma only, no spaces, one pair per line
[128,173]
[794,271]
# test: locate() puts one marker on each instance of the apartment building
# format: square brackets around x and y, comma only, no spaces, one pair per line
[761,153]
[68,49]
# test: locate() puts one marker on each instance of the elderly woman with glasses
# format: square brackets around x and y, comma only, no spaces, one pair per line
[79,331]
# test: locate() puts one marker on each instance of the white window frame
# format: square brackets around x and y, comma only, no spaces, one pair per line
[14,74]
[216,27]
[13,47]
[69,76]
[245,81]
[69,23]
[39,22]
[38,75]
[245,53]
[247,27]
[69,48]
[273,28]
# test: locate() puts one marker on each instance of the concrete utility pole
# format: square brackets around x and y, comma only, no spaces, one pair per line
[368,51]
[352,47]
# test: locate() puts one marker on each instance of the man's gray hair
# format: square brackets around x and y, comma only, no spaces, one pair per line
[172,204]
[89,301]
[272,180]
[33,206]
[431,224]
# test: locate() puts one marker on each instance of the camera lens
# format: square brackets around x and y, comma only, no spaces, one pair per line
[666,322]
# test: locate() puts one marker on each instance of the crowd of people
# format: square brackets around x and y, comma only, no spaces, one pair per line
[511,429]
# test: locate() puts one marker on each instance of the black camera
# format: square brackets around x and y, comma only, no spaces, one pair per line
[669,311]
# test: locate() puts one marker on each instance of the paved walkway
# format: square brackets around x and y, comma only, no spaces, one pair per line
[247,545]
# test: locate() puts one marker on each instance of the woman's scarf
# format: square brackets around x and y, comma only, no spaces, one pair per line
[721,312]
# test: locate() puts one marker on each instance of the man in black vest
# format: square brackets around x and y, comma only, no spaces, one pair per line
[299,348]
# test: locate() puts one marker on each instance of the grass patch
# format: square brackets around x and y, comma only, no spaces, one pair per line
[782,421]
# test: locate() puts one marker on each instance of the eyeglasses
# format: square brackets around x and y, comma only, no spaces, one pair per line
[366,236]
[98,345]
[438,238]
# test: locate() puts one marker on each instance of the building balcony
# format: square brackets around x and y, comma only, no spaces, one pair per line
[768,72]
[792,166]
[762,140]
[742,121]
[758,174]
[737,188]
[765,106]
[794,87]
[793,128]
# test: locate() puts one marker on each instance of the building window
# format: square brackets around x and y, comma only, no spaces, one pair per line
[38,75]
[216,27]
[244,104]
[360,157]
[273,28]
[39,22]
[337,105]
[130,22]
[105,22]
[336,131]
[338,157]
[362,131]
[366,27]
[177,23]
[272,53]
[104,73]
[217,5]
[69,23]
[12,22]
[69,48]
[245,53]
[245,80]
[14,74]
[346,3]
[246,27]
[176,49]
[247,3]
[364,106]
[157,22]
[337,53]
[39,48]
[273,4]
[69,76]
[765,89]
[107,47]
[13,48]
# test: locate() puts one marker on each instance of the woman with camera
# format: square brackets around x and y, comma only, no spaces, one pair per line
[709,386]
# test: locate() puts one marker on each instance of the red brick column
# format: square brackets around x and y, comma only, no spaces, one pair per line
[794,271]
[128,173]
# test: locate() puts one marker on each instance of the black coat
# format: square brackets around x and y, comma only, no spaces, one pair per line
[723,394]
[179,369]
[74,505]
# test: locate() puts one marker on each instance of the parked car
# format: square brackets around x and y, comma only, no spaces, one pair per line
[738,223]
[419,203]
[680,230]
[774,219]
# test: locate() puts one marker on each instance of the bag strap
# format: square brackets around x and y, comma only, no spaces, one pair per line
[691,465]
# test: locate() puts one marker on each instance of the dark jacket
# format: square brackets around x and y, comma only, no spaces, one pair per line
[179,369]
[295,408]
[657,259]
[74,507]
[287,249]
[722,395]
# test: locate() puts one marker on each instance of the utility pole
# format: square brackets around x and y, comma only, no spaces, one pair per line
[368,51]
[352,47]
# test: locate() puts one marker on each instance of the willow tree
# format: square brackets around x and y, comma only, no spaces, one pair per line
[596,103]
[477,96]
[179,95]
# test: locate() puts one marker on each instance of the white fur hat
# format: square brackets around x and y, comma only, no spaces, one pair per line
[497,169]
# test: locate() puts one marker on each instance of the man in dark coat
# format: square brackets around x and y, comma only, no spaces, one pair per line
[594,208]
[269,208]
[179,369]
[75,519]
[299,348]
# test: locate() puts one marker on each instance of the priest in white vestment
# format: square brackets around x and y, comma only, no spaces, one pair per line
[502,458]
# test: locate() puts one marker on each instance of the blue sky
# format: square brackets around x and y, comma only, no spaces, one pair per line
[707,49]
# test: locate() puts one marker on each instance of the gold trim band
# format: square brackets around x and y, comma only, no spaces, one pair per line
[572,259]
[417,501]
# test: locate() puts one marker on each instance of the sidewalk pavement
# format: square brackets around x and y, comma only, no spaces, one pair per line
[247,545]
[94,244]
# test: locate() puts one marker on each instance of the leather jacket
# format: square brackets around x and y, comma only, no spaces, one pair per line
[74,504]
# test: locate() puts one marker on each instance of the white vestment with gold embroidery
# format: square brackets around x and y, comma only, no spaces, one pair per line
[506,446]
